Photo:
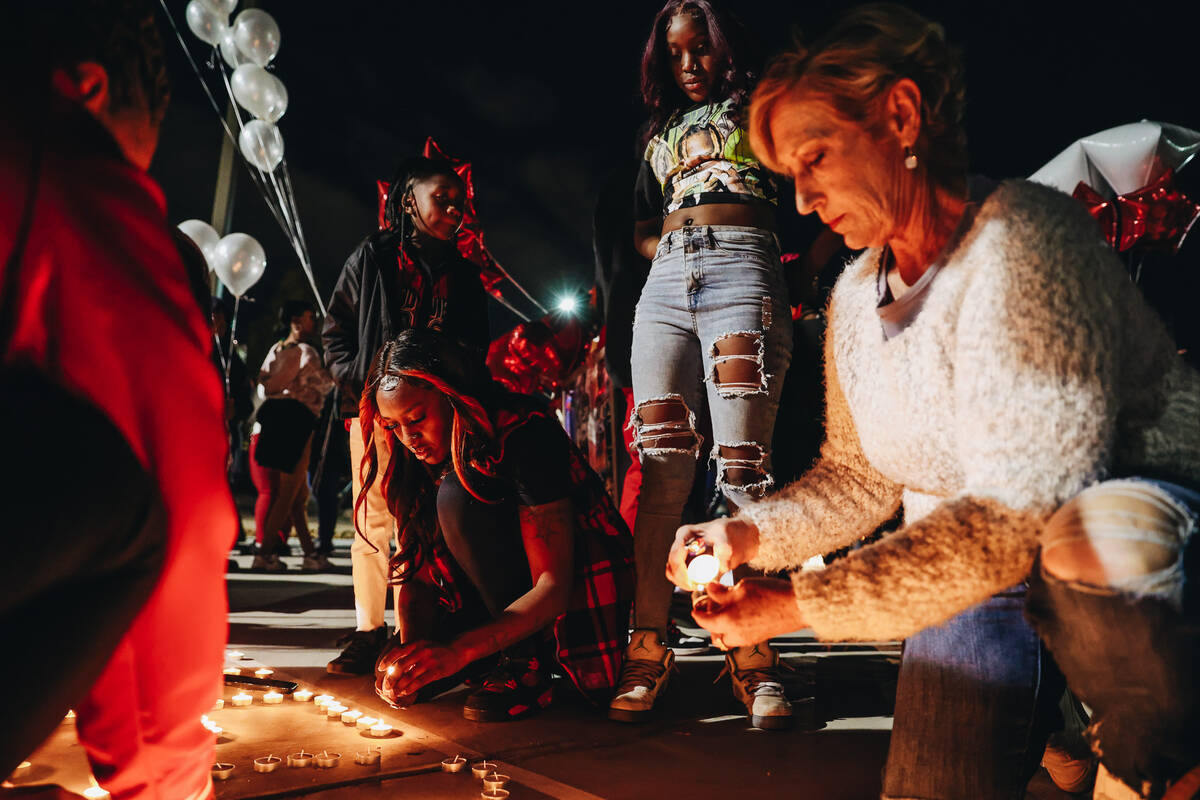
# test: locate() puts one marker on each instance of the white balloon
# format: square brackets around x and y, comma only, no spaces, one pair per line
[257,35]
[206,22]
[204,235]
[229,51]
[239,262]
[279,107]
[262,144]
[259,92]
[224,7]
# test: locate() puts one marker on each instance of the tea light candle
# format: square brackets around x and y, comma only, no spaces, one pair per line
[272,698]
[456,764]
[322,699]
[217,706]
[301,759]
[372,756]
[494,780]
[70,714]
[267,763]
[494,794]
[335,710]
[481,768]
[380,730]
[351,717]
[22,770]
[264,673]
[362,723]
[328,760]
[233,655]
[96,793]
[242,699]
[302,696]
[232,671]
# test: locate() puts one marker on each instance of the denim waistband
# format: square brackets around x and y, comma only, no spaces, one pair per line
[708,236]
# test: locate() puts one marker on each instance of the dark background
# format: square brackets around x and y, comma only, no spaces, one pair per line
[542,98]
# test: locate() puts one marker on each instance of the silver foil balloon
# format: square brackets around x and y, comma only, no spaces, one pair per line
[204,235]
[205,21]
[224,7]
[262,144]
[229,51]
[257,35]
[239,261]
[259,92]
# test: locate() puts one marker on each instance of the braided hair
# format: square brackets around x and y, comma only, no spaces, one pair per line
[410,172]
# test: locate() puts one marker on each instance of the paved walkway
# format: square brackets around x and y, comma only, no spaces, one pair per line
[699,746]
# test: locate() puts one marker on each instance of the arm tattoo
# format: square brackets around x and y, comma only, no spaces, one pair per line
[549,522]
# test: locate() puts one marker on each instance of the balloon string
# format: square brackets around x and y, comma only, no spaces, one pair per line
[237,304]
[499,299]
[521,288]
[285,177]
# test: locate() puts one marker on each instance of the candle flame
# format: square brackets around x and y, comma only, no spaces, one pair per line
[703,569]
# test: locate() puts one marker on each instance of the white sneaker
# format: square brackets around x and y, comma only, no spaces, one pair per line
[754,671]
[648,664]
[1108,787]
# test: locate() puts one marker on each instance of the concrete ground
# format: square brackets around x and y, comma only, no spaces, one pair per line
[698,746]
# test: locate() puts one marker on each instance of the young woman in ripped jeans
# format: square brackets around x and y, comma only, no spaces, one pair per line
[712,327]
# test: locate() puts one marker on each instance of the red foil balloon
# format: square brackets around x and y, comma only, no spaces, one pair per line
[1157,215]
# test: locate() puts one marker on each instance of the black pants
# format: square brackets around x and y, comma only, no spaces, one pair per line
[85,537]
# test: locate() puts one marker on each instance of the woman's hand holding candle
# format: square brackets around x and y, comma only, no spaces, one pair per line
[401,671]
[733,540]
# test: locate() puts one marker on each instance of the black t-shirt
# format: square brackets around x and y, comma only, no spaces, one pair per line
[536,462]
[647,194]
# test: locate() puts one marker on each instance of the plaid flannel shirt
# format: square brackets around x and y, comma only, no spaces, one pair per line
[590,636]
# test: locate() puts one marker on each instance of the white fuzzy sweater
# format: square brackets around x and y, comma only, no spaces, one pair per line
[1034,369]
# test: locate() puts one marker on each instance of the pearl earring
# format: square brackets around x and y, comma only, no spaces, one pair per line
[910,159]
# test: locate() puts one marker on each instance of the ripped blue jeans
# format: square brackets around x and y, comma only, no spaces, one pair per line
[712,328]
[977,695]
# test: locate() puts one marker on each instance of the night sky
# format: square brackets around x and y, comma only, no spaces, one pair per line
[542,98]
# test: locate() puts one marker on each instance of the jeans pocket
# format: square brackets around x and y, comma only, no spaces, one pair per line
[746,242]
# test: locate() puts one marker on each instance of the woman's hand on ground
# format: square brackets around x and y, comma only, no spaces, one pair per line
[401,671]
[733,540]
[751,611]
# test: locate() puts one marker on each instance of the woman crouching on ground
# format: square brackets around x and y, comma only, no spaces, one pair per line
[511,555]
[990,366]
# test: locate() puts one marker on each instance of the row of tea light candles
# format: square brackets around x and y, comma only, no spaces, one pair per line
[333,710]
[303,759]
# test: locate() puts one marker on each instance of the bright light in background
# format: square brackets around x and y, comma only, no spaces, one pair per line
[568,303]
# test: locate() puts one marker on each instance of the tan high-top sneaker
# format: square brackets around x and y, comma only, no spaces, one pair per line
[648,663]
[754,670]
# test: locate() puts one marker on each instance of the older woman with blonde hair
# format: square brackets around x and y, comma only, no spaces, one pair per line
[991,369]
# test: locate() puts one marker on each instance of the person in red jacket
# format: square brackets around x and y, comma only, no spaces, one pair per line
[95,308]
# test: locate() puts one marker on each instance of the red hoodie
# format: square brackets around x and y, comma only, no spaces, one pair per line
[104,308]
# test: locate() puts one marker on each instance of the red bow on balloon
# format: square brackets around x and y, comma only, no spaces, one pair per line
[1156,215]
